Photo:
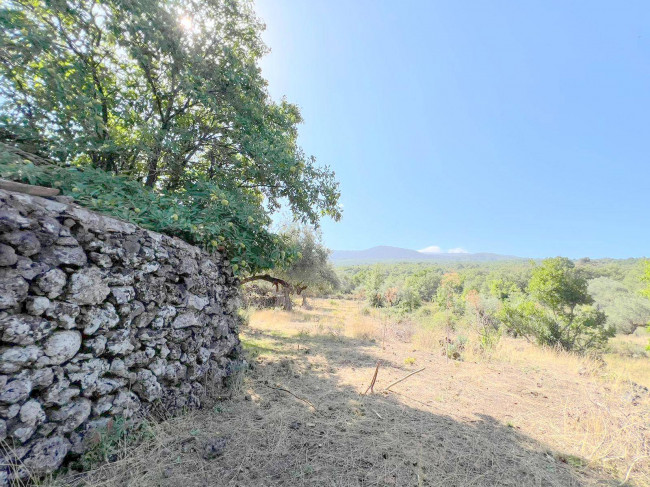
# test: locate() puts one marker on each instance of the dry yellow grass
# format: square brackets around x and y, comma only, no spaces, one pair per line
[520,416]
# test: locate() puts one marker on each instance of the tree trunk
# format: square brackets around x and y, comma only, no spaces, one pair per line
[286,287]
[288,305]
[152,170]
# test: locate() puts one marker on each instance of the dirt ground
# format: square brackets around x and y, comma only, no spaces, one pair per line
[299,417]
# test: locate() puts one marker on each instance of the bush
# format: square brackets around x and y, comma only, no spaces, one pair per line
[408,299]
[558,311]
[201,213]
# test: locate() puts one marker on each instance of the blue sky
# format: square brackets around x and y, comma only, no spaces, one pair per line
[516,127]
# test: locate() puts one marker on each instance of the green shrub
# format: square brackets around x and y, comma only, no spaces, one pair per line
[201,213]
[113,442]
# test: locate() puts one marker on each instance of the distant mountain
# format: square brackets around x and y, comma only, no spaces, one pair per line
[385,253]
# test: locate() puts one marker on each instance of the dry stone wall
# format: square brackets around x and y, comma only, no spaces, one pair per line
[100,318]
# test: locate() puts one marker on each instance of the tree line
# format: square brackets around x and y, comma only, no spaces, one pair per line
[558,302]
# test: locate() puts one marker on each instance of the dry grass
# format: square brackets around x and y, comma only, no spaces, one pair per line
[522,416]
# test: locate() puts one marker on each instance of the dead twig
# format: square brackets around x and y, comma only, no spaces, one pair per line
[374,379]
[629,470]
[289,392]
[404,378]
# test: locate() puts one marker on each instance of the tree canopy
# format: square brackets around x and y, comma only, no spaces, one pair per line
[167,93]
[557,311]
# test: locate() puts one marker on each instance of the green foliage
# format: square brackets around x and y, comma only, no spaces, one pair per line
[625,310]
[502,288]
[191,213]
[558,285]
[424,283]
[646,278]
[492,297]
[113,442]
[558,311]
[374,281]
[448,295]
[165,93]
[409,299]
[311,267]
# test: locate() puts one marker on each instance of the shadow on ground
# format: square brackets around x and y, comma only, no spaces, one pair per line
[275,436]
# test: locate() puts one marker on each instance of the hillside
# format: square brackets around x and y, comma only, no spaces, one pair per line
[384,253]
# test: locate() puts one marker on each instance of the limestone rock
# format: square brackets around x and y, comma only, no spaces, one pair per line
[72,415]
[29,269]
[147,386]
[123,294]
[24,242]
[97,345]
[59,393]
[31,413]
[15,391]
[47,455]
[7,255]
[9,411]
[103,405]
[62,346]
[119,342]
[13,289]
[103,317]
[88,287]
[126,403]
[184,320]
[63,255]
[41,378]
[197,303]
[25,329]
[51,283]
[65,314]
[14,358]
[21,432]
[37,305]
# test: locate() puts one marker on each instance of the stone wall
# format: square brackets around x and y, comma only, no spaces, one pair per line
[100,318]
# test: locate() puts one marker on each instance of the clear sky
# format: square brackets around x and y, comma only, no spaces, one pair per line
[516,127]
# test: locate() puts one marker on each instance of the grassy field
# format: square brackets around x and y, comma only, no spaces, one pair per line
[517,415]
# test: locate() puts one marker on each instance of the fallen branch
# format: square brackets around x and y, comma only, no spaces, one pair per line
[27,188]
[629,470]
[289,392]
[372,382]
[404,378]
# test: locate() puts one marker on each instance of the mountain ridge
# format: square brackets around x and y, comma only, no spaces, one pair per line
[387,253]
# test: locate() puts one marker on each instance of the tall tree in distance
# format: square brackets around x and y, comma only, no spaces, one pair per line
[310,269]
[559,311]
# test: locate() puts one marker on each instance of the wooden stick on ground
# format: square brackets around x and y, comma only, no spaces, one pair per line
[277,388]
[374,379]
[404,378]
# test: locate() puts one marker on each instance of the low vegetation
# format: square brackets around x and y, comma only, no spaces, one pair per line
[556,302]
